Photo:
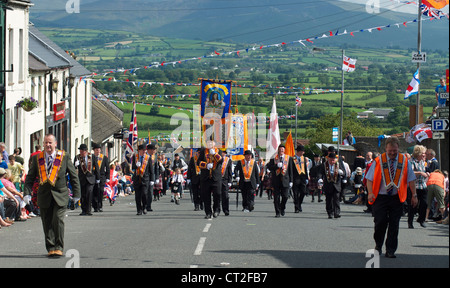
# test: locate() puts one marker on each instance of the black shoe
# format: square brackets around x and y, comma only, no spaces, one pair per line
[410,226]
[282,212]
[330,217]
[216,214]
[277,216]
[208,216]
[139,213]
[390,255]
[337,216]
[423,224]
[227,213]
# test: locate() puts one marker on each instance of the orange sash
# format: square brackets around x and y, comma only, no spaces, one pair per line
[100,160]
[283,169]
[43,177]
[140,170]
[298,165]
[224,165]
[247,172]
[387,177]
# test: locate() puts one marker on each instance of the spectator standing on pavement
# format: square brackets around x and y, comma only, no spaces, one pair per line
[432,163]
[388,178]
[441,88]
[418,164]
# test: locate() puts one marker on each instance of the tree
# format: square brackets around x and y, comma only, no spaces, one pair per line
[154,110]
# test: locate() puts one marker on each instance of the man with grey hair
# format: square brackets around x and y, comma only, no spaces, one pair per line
[432,163]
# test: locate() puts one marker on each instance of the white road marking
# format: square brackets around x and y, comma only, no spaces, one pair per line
[200,245]
[207,228]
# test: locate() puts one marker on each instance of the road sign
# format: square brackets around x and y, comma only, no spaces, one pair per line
[442,113]
[439,125]
[438,135]
[419,57]
[335,134]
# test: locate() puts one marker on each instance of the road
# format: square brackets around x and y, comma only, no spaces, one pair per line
[175,236]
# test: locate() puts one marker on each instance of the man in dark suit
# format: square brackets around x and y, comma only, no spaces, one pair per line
[154,170]
[330,174]
[51,167]
[89,175]
[142,175]
[193,179]
[247,175]
[99,189]
[282,179]
[227,181]
[300,171]
[210,163]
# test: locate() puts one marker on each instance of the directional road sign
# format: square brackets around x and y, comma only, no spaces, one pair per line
[439,125]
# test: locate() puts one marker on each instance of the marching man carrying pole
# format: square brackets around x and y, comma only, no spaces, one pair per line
[388,179]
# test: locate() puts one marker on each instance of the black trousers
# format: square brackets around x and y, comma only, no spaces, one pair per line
[87,191]
[332,202]
[281,196]
[299,194]
[140,196]
[225,198]
[97,198]
[150,189]
[207,189]
[248,196]
[387,211]
[196,196]
[421,207]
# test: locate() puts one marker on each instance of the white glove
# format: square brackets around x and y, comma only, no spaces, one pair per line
[307,181]
[320,182]
[257,186]
[344,181]
[27,199]
[157,181]
[237,179]
[77,163]
[75,200]
[210,166]
[138,164]
[107,180]
[341,172]
[97,181]
[212,151]
[188,181]
[229,185]
[280,164]
[152,183]
[291,184]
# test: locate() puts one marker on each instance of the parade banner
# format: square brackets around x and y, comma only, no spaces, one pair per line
[215,97]
[237,140]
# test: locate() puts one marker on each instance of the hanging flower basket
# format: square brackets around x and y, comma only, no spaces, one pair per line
[27,104]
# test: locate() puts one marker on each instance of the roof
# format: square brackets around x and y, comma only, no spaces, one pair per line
[324,146]
[104,122]
[42,47]
[36,65]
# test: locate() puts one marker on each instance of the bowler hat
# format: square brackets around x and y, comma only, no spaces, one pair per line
[332,155]
[95,146]
[300,148]
[151,147]
[141,147]
[248,152]
[83,147]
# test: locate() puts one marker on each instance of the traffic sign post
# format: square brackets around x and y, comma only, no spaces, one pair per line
[418,57]
[335,134]
[439,125]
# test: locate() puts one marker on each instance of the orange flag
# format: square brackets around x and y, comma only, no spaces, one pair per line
[438,4]
[290,150]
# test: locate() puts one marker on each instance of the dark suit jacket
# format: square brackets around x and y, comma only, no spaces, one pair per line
[59,192]
[216,175]
[298,179]
[228,173]
[280,181]
[327,186]
[254,178]
[104,170]
[191,173]
[88,177]
[149,173]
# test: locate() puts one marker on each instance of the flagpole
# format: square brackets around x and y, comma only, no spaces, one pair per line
[419,50]
[342,104]
[296,121]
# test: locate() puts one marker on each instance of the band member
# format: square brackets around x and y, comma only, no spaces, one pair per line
[210,163]
[50,167]
[247,175]
[300,177]
[313,174]
[89,175]
[227,181]
[99,189]
[193,179]
[282,179]
[154,170]
[142,175]
[330,175]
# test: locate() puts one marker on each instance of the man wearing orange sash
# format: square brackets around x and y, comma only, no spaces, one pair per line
[142,176]
[51,167]
[193,180]
[88,174]
[99,189]
[227,181]
[282,179]
[300,177]
[388,179]
[247,175]
[210,163]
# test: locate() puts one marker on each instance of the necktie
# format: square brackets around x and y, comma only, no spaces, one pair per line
[49,165]
[391,168]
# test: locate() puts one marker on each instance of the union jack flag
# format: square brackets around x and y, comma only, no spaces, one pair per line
[298,101]
[132,135]
[430,11]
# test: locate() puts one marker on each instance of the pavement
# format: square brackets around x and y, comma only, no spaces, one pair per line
[175,236]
